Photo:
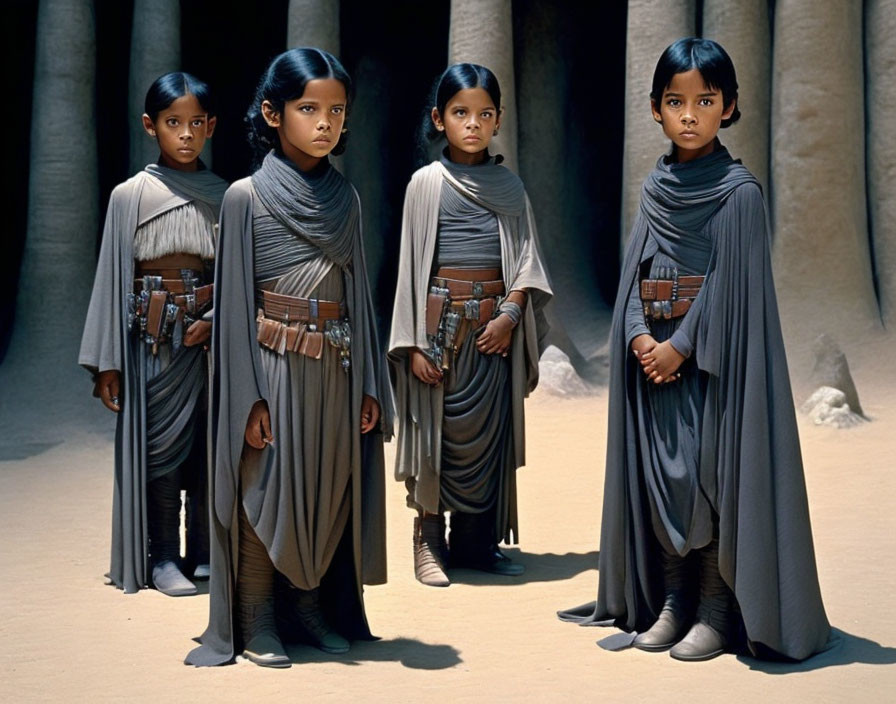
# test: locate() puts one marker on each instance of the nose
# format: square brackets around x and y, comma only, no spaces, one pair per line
[473,122]
[323,124]
[187,132]
[688,117]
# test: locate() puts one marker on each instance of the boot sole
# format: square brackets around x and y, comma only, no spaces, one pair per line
[278,664]
[697,658]
[653,648]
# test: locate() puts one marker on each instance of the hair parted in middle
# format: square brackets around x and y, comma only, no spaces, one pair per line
[454,79]
[284,80]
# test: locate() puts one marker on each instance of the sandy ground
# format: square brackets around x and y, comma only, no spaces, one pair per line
[66,636]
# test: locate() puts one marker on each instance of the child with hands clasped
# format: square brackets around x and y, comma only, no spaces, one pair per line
[706,545]
[465,330]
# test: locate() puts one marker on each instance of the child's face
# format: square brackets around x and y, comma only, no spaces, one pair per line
[181,130]
[470,121]
[691,114]
[310,126]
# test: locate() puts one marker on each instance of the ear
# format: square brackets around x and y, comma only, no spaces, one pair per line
[729,111]
[210,125]
[437,119]
[148,126]
[498,118]
[657,116]
[271,116]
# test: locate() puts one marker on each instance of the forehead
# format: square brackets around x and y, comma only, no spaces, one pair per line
[475,98]
[324,90]
[184,105]
[690,83]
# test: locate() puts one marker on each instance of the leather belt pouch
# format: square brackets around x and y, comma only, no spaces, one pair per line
[435,304]
[155,314]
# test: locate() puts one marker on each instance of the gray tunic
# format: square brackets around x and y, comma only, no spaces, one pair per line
[477,462]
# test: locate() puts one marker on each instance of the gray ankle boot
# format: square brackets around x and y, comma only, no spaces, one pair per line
[677,611]
[313,624]
[262,644]
[708,637]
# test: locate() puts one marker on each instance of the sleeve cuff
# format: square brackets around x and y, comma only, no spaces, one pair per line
[681,343]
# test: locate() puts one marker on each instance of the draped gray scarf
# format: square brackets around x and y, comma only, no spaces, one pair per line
[319,207]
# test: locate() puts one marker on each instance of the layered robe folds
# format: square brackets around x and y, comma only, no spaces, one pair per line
[708,215]
[107,344]
[290,491]
[420,406]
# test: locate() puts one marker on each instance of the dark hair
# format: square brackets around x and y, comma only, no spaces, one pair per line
[453,80]
[168,88]
[709,58]
[284,80]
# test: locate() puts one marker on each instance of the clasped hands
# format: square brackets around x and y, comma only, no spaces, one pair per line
[659,360]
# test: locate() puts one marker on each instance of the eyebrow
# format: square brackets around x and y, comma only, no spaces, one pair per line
[670,94]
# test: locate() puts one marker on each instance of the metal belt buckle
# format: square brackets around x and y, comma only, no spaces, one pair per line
[190,299]
[478,290]
[667,309]
[471,309]
[152,283]
[190,281]
[313,308]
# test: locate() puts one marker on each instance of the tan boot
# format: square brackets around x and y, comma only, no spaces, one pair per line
[429,539]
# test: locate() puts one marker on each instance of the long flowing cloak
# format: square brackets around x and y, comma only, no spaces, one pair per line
[238,381]
[106,344]
[419,406]
[750,463]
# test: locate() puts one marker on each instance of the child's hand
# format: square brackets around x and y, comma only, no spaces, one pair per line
[424,369]
[198,333]
[497,336]
[370,413]
[642,344]
[662,362]
[258,427]
[107,387]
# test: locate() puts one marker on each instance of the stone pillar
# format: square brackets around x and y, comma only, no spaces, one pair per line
[313,23]
[482,33]
[40,369]
[880,69]
[743,29]
[652,26]
[155,50]
[821,253]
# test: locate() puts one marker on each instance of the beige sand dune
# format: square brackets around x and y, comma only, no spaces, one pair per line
[66,636]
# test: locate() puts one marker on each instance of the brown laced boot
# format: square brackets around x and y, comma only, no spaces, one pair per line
[429,550]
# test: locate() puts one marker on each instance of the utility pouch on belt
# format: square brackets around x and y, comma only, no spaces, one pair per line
[156,313]
[436,302]
[203,298]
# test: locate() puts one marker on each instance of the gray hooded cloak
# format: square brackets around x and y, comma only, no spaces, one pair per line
[106,344]
[708,215]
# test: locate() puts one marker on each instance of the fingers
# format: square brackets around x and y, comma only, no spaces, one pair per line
[109,396]
[370,414]
[267,437]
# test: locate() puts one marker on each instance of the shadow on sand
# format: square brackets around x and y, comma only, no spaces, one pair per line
[545,567]
[845,649]
[410,652]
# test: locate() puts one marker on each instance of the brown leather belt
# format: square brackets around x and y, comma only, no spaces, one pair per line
[288,309]
[671,290]
[174,286]
[469,283]
[668,298]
